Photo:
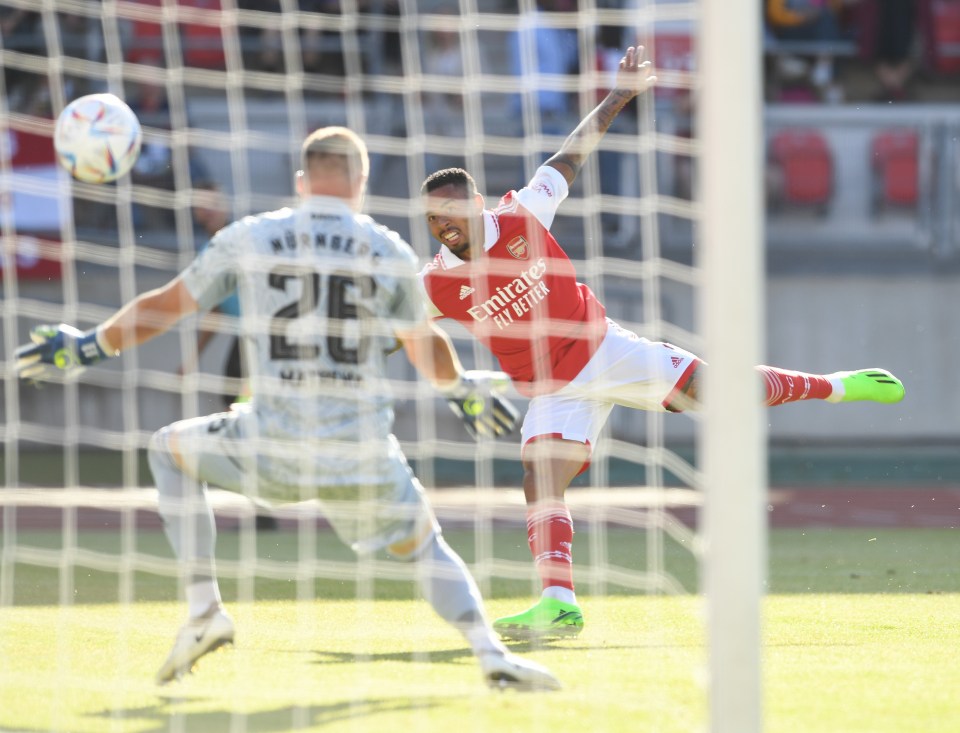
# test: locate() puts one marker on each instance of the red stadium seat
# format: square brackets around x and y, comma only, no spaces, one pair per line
[146,44]
[942,33]
[894,155]
[806,165]
[203,41]
[672,52]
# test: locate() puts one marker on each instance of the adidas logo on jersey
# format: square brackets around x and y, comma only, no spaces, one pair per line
[465,290]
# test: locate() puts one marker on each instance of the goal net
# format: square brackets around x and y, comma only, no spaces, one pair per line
[226,90]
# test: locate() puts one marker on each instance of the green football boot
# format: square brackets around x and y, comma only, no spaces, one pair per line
[870,385]
[549,618]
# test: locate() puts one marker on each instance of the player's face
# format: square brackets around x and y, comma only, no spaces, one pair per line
[450,214]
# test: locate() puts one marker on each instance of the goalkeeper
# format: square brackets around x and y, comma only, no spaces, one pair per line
[504,277]
[324,291]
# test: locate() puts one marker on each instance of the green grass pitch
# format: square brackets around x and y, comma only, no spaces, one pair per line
[861,632]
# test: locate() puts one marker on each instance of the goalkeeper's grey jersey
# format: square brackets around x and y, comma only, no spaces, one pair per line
[322,290]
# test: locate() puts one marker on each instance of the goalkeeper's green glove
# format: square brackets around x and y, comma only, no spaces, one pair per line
[58,348]
[475,400]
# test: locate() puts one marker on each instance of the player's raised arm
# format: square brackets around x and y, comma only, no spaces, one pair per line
[634,76]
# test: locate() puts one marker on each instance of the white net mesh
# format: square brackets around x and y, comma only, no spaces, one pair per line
[226,90]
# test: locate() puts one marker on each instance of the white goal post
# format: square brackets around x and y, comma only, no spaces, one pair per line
[733,437]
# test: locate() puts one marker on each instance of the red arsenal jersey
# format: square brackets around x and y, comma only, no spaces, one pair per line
[522,300]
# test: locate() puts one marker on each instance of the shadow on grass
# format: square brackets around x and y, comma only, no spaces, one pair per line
[164,716]
[539,645]
[446,656]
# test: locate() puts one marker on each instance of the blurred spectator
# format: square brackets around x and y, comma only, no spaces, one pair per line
[154,166]
[261,45]
[609,53]
[443,111]
[610,45]
[673,51]
[813,21]
[322,50]
[538,51]
[149,100]
[210,215]
[442,55]
[381,52]
[80,38]
[21,31]
[805,20]
[887,34]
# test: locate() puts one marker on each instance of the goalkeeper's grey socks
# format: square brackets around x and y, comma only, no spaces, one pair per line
[448,586]
[189,525]
[201,595]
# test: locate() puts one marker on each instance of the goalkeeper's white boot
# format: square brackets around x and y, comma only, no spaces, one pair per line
[199,636]
[506,671]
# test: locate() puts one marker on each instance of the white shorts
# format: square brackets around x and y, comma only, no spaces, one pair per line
[626,370]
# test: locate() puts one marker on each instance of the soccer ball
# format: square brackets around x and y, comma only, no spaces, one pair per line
[97,138]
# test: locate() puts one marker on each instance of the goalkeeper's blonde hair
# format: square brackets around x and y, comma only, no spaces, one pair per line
[330,143]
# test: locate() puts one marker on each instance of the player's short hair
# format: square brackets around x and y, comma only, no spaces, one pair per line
[328,144]
[456,176]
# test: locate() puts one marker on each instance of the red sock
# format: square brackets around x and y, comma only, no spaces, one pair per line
[550,536]
[784,385]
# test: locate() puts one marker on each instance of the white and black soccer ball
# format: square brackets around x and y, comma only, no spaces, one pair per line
[97,138]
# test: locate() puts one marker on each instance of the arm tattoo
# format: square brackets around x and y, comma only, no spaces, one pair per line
[585,138]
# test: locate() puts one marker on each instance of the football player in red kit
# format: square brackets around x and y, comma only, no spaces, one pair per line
[502,275]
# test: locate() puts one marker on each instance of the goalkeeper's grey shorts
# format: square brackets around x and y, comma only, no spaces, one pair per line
[368,493]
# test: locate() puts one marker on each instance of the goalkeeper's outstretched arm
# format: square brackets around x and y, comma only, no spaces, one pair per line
[148,315]
[64,348]
[633,77]
[432,354]
[472,395]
